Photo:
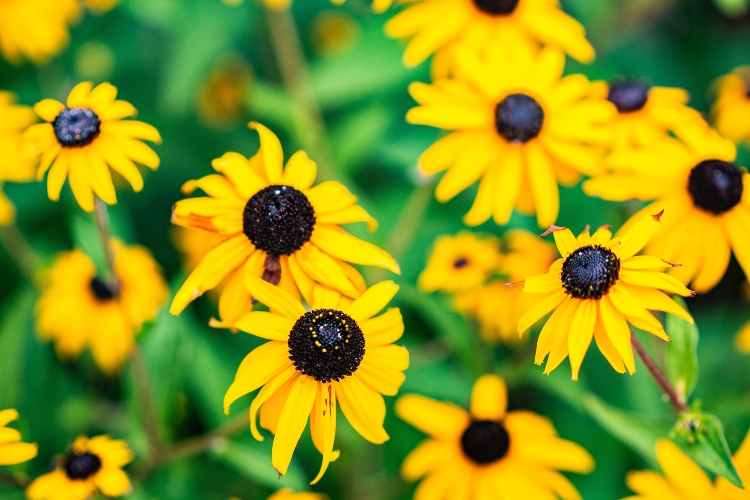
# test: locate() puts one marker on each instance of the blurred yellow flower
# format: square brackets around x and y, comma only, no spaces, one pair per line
[221,98]
[459,263]
[694,178]
[595,290]
[91,466]
[100,6]
[287,494]
[12,450]
[35,29]
[731,111]
[86,137]
[78,308]
[334,32]
[14,167]
[377,5]
[516,126]
[336,352]
[488,452]
[273,223]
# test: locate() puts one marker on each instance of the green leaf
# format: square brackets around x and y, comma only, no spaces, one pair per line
[354,139]
[733,8]
[701,436]
[255,463]
[16,331]
[682,353]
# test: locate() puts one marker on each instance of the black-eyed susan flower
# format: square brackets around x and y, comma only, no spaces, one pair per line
[377,5]
[596,289]
[460,263]
[517,127]
[35,30]
[288,494]
[273,223]
[12,450]
[79,309]
[338,353]
[731,111]
[221,97]
[450,28]
[14,167]
[488,452]
[704,193]
[82,139]
[645,113]
[683,479]
[90,466]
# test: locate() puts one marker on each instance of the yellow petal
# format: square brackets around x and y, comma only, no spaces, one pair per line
[274,297]
[261,365]
[434,418]
[342,245]
[489,398]
[292,421]
[271,152]
[372,301]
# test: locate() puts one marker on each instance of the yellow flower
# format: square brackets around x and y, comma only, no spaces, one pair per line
[683,479]
[272,223]
[81,140]
[742,339]
[596,289]
[336,352]
[731,112]
[91,466]
[13,166]
[448,27]
[12,450]
[222,96]
[517,126]
[35,29]
[645,113]
[377,5]
[287,494]
[459,263]
[100,6]
[702,190]
[488,453]
[78,308]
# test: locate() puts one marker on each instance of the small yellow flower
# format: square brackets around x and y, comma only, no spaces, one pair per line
[337,352]
[287,494]
[79,309]
[377,5]
[488,452]
[221,98]
[35,29]
[731,111]
[596,290]
[14,167]
[460,263]
[91,466]
[82,140]
[12,450]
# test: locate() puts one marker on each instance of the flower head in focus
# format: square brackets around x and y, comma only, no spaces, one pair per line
[12,450]
[731,111]
[14,167]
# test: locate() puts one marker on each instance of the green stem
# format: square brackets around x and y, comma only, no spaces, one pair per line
[102,224]
[145,399]
[13,481]
[409,220]
[20,251]
[661,380]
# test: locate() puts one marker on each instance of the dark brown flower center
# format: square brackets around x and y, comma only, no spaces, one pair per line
[628,95]
[460,262]
[519,118]
[279,220]
[496,7]
[101,289]
[82,466]
[485,441]
[589,272]
[76,127]
[715,185]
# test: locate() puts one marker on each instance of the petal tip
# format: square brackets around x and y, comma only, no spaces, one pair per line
[551,230]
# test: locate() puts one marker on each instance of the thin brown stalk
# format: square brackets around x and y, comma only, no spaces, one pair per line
[661,380]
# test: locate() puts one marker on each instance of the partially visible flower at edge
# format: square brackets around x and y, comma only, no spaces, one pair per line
[731,111]
[12,450]
[35,30]
[14,167]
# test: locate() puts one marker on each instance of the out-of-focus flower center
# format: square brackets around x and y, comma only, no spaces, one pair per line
[460,262]
[82,466]
[485,441]
[589,272]
[519,118]
[715,185]
[76,127]
[628,95]
[279,220]
[101,289]
[496,7]
[326,344]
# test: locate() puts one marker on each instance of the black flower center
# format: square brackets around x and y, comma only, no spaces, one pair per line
[496,7]
[628,95]
[460,262]
[82,466]
[715,185]
[101,289]
[76,127]
[589,272]
[326,344]
[485,441]
[519,118]
[279,220]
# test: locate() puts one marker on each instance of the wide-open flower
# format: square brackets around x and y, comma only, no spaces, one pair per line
[705,194]
[450,28]
[683,479]
[488,452]
[35,29]
[460,263]
[516,125]
[377,5]
[78,308]
[336,353]
[596,289]
[90,466]
[14,167]
[731,111]
[86,137]
[12,450]
[272,223]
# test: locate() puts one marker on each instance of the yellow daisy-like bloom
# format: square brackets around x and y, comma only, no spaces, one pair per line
[516,125]
[645,113]
[731,112]
[78,308]
[287,494]
[447,28]
[487,452]
[377,5]
[14,167]
[91,466]
[274,224]
[460,263]
[703,191]
[683,479]
[336,353]
[12,450]
[35,29]
[596,290]
[83,138]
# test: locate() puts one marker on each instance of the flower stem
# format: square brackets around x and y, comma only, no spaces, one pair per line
[13,481]
[410,219]
[661,380]
[145,401]
[102,224]
[20,251]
